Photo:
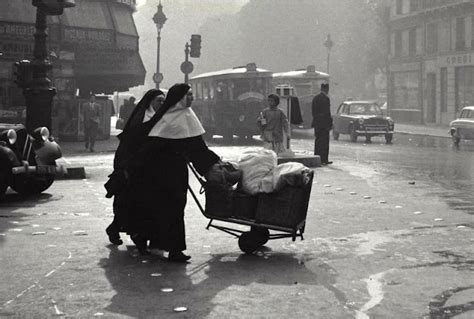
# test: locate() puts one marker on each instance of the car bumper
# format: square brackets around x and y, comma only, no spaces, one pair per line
[40,169]
[373,132]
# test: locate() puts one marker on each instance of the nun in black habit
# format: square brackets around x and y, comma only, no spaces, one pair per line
[158,172]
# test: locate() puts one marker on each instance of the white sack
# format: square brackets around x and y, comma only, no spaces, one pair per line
[256,166]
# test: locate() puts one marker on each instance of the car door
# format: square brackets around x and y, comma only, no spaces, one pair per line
[336,119]
[345,119]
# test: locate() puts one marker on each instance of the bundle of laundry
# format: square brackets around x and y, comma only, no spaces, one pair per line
[261,174]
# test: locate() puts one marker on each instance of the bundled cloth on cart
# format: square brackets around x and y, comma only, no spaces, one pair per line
[256,166]
[261,174]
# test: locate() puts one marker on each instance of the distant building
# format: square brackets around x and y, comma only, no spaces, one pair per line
[431,59]
[93,47]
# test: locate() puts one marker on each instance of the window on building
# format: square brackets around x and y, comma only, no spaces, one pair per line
[413,5]
[472,32]
[412,42]
[444,90]
[464,87]
[398,43]
[432,38]
[399,6]
[460,34]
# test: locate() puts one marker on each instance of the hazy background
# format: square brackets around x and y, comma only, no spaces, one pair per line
[278,35]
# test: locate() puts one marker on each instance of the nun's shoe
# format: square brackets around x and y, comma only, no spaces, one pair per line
[178,257]
[114,236]
[140,243]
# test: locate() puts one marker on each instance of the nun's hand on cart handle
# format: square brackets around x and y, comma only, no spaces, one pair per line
[215,174]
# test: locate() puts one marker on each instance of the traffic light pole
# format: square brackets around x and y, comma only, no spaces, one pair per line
[186,60]
[39,93]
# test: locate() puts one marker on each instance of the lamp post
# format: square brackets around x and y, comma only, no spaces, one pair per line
[159,18]
[328,44]
[38,91]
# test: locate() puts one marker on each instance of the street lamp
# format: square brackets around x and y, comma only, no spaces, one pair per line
[328,44]
[39,92]
[159,18]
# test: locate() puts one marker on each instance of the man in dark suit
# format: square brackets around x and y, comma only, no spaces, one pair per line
[322,123]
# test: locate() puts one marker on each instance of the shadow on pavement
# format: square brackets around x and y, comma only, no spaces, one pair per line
[11,203]
[138,284]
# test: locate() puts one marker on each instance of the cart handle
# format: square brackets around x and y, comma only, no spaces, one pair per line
[199,178]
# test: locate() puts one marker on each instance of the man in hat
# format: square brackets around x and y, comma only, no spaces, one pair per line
[322,123]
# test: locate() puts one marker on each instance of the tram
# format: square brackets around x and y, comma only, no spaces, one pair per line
[229,101]
[306,83]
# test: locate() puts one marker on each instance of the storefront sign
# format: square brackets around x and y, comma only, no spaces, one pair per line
[100,38]
[131,3]
[17,30]
[457,60]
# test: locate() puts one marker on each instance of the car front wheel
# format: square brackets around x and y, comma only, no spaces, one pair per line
[388,138]
[353,135]
[456,140]
[3,183]
[335,135]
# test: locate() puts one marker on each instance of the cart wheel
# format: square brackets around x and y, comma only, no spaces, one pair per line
[248,243]
[263,234]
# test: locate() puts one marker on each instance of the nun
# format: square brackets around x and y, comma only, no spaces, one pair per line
[162,144]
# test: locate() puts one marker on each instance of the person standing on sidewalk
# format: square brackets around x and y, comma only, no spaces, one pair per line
[91,115]
[274,126]
[322,123]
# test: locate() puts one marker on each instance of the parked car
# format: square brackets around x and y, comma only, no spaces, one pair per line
[463,127]
[27,162]
[362,118]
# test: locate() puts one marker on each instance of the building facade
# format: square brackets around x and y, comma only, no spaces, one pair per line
[431,59]
[93,48]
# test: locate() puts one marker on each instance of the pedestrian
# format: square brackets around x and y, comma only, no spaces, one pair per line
[126,109]
[274,125]
[91,116]
[154,149]
[322,123]
[125,152]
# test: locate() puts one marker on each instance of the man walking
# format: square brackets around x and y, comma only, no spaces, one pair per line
[322,123]
[91,113]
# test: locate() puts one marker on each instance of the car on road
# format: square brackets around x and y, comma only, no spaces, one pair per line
[27,161]
[362,118]
[462,128]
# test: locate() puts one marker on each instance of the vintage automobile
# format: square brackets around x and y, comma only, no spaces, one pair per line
[27,162]
[362,118]
[463,127]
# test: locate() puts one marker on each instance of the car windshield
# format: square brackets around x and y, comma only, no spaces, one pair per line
[467,114]
[365,109]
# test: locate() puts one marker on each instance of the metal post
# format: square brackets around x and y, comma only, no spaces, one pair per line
[158,57]
[186,59]
[39,94]
[159,19]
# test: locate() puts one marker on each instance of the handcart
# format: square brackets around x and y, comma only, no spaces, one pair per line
[282,212]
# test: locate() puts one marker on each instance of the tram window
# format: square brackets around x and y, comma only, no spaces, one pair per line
[205,90]
[198,91]
[211,91]
[222,91]
[241,86]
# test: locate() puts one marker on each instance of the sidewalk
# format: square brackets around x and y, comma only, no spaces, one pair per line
[426,130]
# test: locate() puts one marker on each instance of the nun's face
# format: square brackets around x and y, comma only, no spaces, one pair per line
[189,98]
[157,101]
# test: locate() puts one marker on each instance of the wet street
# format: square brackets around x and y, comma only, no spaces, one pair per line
[389,234]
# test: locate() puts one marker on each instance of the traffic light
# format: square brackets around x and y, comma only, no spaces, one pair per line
[195,46]
[22,74]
